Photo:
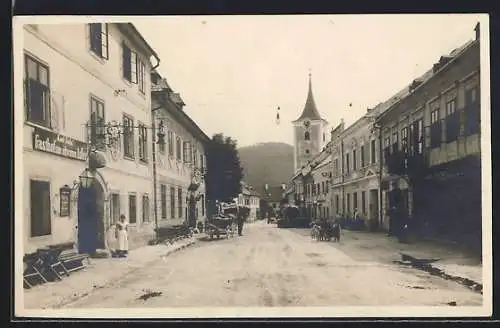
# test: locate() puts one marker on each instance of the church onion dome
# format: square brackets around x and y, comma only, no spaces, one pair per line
[310,111]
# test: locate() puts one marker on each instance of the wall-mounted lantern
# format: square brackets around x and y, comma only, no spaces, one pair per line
[86,179]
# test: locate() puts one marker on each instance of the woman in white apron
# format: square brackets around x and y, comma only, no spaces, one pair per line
[122,237]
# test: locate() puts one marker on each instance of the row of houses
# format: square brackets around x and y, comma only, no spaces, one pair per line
[412,160]
[103,135]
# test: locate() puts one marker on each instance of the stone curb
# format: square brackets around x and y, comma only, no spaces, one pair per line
[113,281]
[436,271]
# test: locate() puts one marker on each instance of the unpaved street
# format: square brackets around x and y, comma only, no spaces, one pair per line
[275,267]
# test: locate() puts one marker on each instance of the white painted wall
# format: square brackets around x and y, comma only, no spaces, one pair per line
[75,75]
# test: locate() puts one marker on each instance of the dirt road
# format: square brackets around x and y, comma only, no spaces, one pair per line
[274,267]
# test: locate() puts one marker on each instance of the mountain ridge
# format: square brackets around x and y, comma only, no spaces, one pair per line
[266,162]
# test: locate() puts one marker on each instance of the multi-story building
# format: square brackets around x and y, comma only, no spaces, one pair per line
[317,185]
[431,140]
[87,100]
[358,167]
[180,159]
[251,199]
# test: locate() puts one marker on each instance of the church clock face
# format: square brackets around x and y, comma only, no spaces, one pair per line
[307,123]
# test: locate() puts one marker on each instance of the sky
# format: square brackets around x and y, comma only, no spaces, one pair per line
[234,71]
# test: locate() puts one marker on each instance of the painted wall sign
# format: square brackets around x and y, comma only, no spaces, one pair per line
[60,145]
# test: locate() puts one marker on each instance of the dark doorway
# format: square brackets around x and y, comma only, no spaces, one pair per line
[374,209]
[90,219]
[398,205]
[192,215]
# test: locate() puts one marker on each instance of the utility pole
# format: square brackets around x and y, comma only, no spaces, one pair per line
[155,197]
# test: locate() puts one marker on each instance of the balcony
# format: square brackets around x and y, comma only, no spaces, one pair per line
[413,166]
[396,163]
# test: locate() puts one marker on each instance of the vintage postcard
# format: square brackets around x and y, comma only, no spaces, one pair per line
[252,166]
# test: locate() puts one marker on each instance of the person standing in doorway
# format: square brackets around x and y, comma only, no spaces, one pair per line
[122,237]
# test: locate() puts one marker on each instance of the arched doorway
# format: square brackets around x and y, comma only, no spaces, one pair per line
[91,232]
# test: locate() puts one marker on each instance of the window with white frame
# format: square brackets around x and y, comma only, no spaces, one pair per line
[186,151]
[129,63]
[172,202]
[99,44]
[145,208]
[128,136]
[178,150]
[141,76]
[354,160]
[37,92]
[143,143]
[373,151]
[132,208]
[362,154]
[97,122]
[163,201]
[170,140]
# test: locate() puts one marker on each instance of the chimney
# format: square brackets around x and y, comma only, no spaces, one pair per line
[477,28]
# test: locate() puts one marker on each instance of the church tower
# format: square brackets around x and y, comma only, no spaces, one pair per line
[309,132]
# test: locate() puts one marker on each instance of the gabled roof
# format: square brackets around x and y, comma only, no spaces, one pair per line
[310,111]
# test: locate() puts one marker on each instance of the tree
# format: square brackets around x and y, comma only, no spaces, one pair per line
[224,171]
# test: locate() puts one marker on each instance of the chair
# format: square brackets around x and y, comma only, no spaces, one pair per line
[73,261]
[55,263]
[33,269]
[46,256]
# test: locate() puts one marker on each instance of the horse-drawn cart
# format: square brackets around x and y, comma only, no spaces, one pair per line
[221,225]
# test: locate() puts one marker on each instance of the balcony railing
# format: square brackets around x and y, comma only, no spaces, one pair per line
[401,163]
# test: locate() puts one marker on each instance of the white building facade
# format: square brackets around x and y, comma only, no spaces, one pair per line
[74,75]
[180,161]
[249,198]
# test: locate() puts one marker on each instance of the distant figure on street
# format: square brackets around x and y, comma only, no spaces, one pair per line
[392,220]
[122,237]
[240,221]
[337,230]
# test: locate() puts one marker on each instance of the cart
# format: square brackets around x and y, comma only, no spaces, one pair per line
[221,225]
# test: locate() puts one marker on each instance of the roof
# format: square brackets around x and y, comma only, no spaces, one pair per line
[133,32]
[456,53]
[176,98]
[246,189]
[310,111]
[163,91]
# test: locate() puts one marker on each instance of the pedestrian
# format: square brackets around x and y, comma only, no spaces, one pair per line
[122,237]
[241,220]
